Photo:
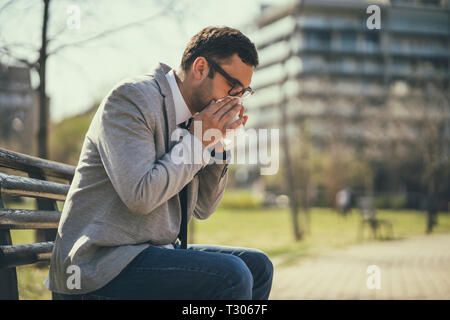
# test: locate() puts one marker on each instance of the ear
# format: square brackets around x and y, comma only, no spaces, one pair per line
[200,68]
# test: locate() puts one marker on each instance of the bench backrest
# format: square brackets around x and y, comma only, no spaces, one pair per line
[45,219]
[367,207]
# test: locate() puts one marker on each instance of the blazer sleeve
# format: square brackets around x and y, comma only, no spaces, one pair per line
[126,145]
[212,182]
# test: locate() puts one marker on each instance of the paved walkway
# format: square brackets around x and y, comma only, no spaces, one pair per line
[416,268]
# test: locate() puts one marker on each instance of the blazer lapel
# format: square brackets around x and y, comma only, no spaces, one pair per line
[160,77]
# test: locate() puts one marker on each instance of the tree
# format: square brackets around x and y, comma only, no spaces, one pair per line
[46,50]
[38,64]
[433,111]
[418,152]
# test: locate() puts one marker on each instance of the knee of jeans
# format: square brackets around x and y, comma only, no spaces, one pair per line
[263,260]
[241,278]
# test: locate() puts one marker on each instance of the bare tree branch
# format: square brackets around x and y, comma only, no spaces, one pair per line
[19,45]
[110,31]
[63,28]
[7,52]
[57,33]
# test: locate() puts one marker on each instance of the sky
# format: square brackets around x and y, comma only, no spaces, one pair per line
[80,76]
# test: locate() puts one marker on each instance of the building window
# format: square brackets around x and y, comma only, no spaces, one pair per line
[317,39]
[347,40]
[372,42]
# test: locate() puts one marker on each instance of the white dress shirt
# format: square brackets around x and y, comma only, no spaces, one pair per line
[182,112]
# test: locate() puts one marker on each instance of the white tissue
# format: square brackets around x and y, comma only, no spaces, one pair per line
[239,131]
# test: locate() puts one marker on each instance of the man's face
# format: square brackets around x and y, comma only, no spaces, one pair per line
[208,89]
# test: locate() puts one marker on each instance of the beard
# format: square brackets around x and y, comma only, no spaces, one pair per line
[202,96]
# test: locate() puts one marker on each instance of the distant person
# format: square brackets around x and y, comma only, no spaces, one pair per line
[343,201]
[123,213]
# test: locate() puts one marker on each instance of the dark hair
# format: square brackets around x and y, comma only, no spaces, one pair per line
[221,43]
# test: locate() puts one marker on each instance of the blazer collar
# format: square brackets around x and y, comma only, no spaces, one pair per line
[160,76]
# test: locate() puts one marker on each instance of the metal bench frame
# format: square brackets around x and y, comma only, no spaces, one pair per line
[45,219]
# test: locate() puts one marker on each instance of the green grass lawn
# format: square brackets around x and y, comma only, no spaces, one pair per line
[269,230]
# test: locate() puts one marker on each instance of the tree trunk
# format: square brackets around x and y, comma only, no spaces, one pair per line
[43,105]
[432,210]
[298,233]
[43,235]
[293,202]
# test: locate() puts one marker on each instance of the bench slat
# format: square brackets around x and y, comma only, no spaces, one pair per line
[28,219]
[28,187]
[19,255]
[23,162]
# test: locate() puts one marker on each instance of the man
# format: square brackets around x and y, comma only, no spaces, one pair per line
[117,237]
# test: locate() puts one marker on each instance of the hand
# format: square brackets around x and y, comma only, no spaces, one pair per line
[219,115]
[244,120]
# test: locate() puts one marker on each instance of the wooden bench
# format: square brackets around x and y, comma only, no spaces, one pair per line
[32,183]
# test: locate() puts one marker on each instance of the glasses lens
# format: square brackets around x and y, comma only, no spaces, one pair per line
[236,91]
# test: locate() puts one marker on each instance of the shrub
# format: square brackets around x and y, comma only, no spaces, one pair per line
[241,199]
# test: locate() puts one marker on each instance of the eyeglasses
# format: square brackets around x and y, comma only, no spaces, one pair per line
[237,88]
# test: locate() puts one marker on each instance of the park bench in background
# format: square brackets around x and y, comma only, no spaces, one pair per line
[45,219]
[368,217]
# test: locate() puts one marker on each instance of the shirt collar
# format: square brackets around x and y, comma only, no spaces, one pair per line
[182,112]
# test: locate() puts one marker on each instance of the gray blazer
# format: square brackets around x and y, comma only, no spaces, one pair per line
[124,194]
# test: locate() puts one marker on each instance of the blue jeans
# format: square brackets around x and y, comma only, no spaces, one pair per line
[201,272]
